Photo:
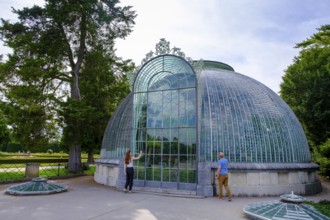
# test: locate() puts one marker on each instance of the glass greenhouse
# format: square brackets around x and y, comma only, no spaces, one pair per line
[181,115]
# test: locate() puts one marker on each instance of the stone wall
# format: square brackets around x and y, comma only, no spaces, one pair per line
[262,179]
[244,179]
[107,172]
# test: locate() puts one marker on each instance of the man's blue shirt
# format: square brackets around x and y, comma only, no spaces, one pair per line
[223,162]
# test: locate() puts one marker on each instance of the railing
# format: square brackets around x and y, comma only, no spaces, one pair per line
[14,170]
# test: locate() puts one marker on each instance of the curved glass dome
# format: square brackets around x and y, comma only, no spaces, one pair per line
[118,134]
[178,118]
[247,121]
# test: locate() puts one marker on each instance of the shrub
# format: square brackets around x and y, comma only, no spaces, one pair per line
[85,166]
[322,157]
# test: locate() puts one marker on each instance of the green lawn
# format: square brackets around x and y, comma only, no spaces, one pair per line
[12,165]
[323,206]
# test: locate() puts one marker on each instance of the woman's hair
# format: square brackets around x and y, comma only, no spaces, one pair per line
[127,157]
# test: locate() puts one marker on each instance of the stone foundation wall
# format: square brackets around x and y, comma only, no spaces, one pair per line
[261,179]
[244,180]
[107,172]
[274,183]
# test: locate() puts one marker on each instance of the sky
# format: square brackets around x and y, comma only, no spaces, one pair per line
[255,37]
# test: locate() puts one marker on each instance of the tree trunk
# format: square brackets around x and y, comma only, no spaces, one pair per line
[75,159]
[75,165]
[90,159]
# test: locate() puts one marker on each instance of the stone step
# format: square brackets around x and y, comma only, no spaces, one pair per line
[168,192]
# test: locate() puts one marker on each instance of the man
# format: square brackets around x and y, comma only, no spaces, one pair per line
[222,176]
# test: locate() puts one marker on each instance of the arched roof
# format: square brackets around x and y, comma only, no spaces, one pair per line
[236,114]
[161,67]
[247,120]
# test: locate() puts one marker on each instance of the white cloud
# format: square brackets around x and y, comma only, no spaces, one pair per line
[255,37]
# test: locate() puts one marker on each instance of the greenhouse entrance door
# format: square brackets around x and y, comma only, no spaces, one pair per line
[170,140]
[165,124]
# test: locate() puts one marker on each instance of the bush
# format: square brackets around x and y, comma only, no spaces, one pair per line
[322,157]
[85,166]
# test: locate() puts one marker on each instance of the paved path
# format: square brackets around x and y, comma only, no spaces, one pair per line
[86,199]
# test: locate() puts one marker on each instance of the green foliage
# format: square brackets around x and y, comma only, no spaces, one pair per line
[4,131]
[306,84]
[322,206]
[61,54]
[90,171]
[102,88]
[12,147]
[321,156]
[33,160]
[85,166]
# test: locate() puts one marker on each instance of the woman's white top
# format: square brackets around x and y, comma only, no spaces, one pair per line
[130,164]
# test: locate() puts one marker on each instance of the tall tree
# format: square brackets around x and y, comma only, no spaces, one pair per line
[51,42]
[102,88]
[4,131]
[306,86]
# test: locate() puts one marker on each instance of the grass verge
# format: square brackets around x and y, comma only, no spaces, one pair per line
[323,206]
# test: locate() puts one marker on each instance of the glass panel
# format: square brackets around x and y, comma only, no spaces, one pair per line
[175,97]
[151,134]
[191,121]
[167,122]
[166,147]
[183,135]
[183,121]
[166,175]
[165,160]
[174,161]
[151,123]
[158,123]
[174,134]
[150,147]
[157,160]
[141,146]
[173,175]
[158,147]
[183,148]
[183,176]
[167,97]
[141,135]
[154,97]
[192,163]
[190,108]
[191,81]
[173,111]
[174,122]
[139,172]
[149,174]
[174,147]
[183,162]
[191,139]
[159,134]
[191,176]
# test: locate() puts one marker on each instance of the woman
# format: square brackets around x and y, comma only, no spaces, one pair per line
[129,170]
